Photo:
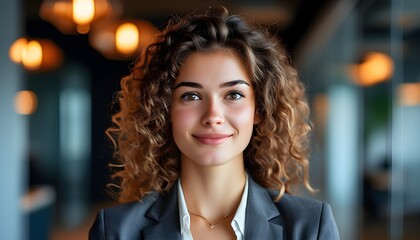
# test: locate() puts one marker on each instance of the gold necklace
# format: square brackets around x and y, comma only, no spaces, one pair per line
[212,225]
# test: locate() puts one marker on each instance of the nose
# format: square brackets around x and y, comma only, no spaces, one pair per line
[213,113]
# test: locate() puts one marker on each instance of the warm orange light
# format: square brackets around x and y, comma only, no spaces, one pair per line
[376,68]
[15,51]
[127,38]
[60,7]
[83,29]
[39,54]
[83,11]
[25,102]
[76,16]
[32,55]
[119,40]
[52,55]
[409,94]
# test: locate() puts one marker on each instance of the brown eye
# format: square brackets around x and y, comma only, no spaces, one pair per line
[234,95]
[189,97]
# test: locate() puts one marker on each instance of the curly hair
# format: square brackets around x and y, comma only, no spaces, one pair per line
[148,158]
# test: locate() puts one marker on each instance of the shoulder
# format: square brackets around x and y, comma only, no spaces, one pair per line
[123,220]
[126,210]
[305,217]
[300,217]
[299,204]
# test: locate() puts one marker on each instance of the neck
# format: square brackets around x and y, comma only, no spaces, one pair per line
[213,191]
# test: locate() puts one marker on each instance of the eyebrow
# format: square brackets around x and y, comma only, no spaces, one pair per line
[197,85]
[233,83]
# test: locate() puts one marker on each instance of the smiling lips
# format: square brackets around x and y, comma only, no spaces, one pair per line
[212,139]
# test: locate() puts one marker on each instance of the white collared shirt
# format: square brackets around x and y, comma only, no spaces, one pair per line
[238,222]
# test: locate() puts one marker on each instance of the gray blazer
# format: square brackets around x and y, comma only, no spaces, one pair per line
[157,217]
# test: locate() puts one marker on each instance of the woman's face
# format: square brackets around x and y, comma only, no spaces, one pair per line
[213,108]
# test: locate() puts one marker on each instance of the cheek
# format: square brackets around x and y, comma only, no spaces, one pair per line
[182,118]
[243,116]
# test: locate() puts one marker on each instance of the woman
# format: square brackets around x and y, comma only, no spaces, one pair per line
[211,136]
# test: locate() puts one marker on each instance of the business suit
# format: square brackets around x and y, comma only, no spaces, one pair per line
[157,217]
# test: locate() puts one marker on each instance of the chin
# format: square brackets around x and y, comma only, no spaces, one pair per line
[211,162]
[214,161]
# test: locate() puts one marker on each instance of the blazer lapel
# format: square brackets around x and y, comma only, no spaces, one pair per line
[263,219]
[165,212]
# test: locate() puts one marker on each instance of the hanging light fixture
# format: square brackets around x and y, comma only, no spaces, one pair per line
[25,102]
[376,67]
[127,39]
[36,54]
[16,50]
[83,13]
[123,39]
[32,55]
[76,16]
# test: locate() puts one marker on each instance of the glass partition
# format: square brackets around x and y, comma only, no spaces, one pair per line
[360,65]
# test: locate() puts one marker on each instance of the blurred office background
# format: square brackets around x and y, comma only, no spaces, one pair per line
[358,59]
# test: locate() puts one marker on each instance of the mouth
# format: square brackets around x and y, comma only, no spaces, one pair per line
[212,139]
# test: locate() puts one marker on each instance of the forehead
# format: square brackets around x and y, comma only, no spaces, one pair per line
[217,65]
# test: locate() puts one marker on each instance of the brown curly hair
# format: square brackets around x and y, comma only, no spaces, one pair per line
[149,160]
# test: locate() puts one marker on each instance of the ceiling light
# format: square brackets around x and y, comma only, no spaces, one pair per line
[375,68]
[36,54]
[123,39]
[76,16]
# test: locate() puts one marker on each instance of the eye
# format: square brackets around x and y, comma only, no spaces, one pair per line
[234,95]
[190,96]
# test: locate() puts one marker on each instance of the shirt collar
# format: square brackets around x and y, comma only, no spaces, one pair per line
[238,222]
[184,216]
